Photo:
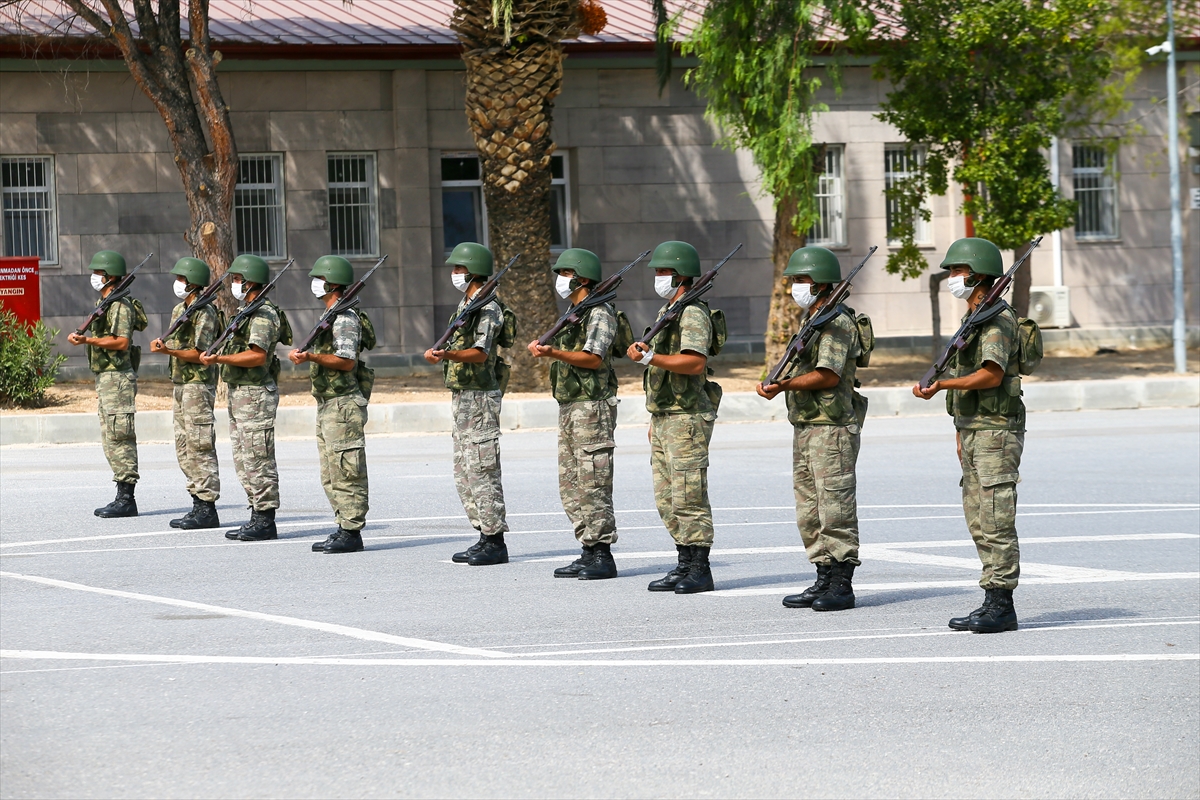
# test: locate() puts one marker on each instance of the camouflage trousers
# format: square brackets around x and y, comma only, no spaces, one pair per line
[585,468]
[990,463]
[252,433]
[824,483]
[476,435]
[196,438]
[679,464]
[117,392]
[342,447]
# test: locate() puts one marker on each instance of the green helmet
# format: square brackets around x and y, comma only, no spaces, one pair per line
[584,263]
[817,263]
[475,257]
[678,256]
[193,270]
[334,269]
[251,268]
[980,255]
[112,262]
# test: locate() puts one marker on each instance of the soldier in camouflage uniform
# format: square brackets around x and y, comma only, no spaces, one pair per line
[195,392]
[984,397]
[825,413]
[341,408]
[472,373]
[584,383]
[250,367]
[682,416]
[110,353]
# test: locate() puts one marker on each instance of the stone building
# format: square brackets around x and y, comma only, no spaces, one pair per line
[352,136]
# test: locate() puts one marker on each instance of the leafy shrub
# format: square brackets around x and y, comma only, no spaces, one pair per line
[27,366]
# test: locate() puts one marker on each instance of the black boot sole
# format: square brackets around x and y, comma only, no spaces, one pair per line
[799,603]
[1012,626]
[663,586]
[195,526]
[491,562]
[568,572]
[597,576]
[111,515]
[706,587]
[841,606]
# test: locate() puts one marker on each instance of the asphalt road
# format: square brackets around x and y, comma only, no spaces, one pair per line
[140,661]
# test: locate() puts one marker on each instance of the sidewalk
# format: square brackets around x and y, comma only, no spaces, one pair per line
[299,422]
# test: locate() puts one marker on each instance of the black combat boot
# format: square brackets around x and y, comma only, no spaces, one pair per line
[602,566]
[573,569]
[465,555]
[805,599]
[319,547]
[668,582]
[699,577]
[178,521]
[345,541]
[260,528]
[236,532]
[840,596]
[202,517]
[493,551]
[964,623]
[999,617]
[123,506]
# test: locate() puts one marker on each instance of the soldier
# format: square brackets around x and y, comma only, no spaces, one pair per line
[471,372]
[250,368]
[111,356]
[195,391]
[682,416]
[984,397]
[584,383]
[341,407]
[827,415]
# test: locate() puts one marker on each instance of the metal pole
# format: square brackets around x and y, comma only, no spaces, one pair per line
[1056,235]
[1180,326]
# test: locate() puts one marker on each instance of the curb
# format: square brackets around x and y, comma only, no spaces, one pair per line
[299,422]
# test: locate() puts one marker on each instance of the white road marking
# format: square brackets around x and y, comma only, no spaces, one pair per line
[296,622]
[574,663]
[1114,577]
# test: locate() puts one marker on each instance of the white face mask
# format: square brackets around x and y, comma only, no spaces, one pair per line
[98,282]
[663,287]
[318,287]
[958,287]
[562,285]
[802,294]
[239,290]
[460,280]
[181,290]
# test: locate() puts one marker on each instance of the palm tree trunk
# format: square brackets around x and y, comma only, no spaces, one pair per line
[783,320]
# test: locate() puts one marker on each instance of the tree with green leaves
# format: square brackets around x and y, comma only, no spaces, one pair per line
[755,72]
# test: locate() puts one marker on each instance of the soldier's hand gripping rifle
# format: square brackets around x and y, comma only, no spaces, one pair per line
[603,292]
[697,290]
[205,298]
[249,311]
[119,292]
[347,301]
[805,336]
[988,307]
[485,295]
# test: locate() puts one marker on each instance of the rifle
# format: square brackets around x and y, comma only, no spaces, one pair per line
[603,292]
[808,332]
[988,307]
[249,311]
[347,301]
[699,287]
[484,296]
[205,298]
[119,292]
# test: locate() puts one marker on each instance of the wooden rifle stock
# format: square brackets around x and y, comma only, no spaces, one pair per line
[603,292]
[485,295]
[249,311]
[347,301]
[699,287]
[119,292]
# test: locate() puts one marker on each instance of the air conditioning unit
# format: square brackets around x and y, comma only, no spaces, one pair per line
[1050,306]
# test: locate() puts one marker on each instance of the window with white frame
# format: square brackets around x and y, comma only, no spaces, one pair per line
[464,210]
[27,185]
[830,228]
[353,204]
[258,207]
[899,163]
[1095,179]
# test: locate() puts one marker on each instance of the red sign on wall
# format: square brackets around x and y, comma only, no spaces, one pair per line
[21,288]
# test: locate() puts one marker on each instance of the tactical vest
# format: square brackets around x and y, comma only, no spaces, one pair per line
[470,377]
[185,339]
[840,404]
[264,374]
[569,383]
[100,359]
[328,383]
[672,392]
[1000,401]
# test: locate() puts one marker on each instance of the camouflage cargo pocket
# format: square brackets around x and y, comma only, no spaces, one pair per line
[259,441]
[352,459]
[487,455]
[120,427]
[596,464]
[840,483]
[201,437]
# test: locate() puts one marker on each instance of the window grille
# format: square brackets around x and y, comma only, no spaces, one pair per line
[1095,192]
[464,210]
[353,205]
[258,207]
[27,184]
[898,164]
[830,228]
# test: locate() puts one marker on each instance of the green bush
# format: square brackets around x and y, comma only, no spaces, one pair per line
[27,366]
